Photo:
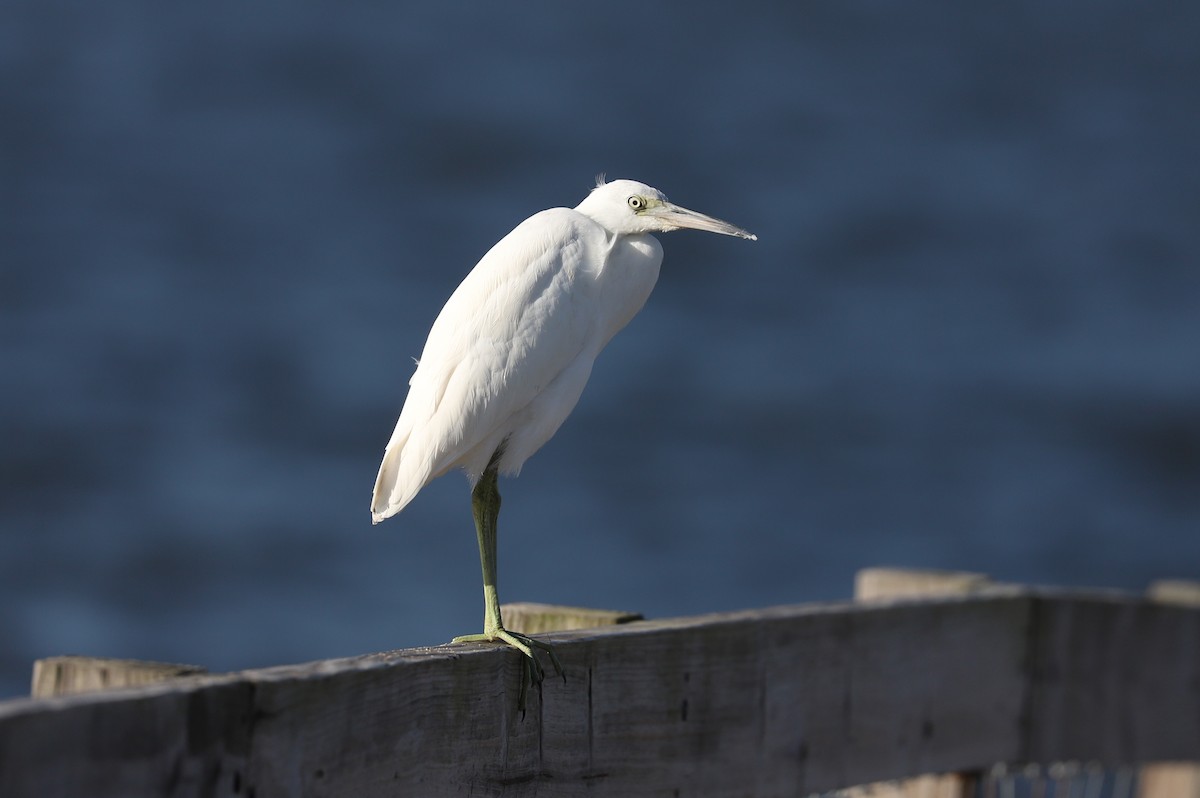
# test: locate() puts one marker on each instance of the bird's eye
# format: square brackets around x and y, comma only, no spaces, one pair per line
[636,202]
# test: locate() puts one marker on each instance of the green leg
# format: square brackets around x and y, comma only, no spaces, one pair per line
[485,507]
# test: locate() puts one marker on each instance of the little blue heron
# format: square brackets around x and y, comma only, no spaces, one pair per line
[508,356]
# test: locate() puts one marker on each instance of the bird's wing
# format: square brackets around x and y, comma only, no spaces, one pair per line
[517,321]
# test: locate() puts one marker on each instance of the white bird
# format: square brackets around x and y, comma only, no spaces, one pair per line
[510,353]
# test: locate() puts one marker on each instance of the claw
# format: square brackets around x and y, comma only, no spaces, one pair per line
[532,672]
[485,506]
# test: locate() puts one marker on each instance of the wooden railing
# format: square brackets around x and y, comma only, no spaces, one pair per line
[781,701]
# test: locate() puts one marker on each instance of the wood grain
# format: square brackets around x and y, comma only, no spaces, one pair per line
[781,701]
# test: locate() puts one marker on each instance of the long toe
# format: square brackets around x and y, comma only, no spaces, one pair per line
[525,645]
[549,649]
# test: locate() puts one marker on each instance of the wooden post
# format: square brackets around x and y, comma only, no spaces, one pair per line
[894,583]
[875,584]
[1179,592]
[55,676]
[1172,779]
[531,618]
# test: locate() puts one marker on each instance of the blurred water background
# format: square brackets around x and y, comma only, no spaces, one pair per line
[968,337]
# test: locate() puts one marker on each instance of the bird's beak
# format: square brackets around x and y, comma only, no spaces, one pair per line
[682,218]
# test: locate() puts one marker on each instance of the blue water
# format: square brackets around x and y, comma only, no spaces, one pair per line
[968,338]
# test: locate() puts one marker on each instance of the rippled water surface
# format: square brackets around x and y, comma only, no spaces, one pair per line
[967,338]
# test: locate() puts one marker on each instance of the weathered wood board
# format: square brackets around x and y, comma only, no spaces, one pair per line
[784,701]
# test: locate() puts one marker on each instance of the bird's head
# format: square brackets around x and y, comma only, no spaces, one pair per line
[627,207]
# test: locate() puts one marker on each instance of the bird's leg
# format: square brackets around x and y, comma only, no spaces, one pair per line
[485,507]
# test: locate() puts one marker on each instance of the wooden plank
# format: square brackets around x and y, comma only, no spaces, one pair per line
[1169,780]
[785,701]
[929,786]
[66,675]
[1174,779]
[1113,680]
[531,618]
[892,583]
[876,584]
[1175,591]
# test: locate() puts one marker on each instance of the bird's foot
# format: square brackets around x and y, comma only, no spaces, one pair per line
[532,669]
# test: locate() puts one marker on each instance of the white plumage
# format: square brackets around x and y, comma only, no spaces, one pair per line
[510,353]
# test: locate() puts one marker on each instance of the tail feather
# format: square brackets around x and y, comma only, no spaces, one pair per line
[394,487]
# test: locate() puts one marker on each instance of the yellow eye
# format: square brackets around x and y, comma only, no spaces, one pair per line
[636,202]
